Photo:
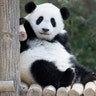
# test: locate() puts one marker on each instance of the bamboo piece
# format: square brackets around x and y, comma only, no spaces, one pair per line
[77,90]
[35,90]
[90,89]
[7,86]
[62,91]
[49,91]
[22,33]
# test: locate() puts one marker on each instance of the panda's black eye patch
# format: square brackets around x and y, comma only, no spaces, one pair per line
[53,22]
[39,20]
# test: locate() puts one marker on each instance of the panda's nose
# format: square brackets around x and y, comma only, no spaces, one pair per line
[45,30]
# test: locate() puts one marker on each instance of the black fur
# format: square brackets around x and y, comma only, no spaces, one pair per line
[39,20]
[28,28]
[30,34]
[46,73]
[29,7]
[65,13]
[64,40]
[24,46]
[53,22]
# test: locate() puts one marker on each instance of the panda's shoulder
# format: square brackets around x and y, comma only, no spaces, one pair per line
[64,38]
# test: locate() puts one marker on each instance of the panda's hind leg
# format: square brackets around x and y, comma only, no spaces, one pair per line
[84,75]
[46,73]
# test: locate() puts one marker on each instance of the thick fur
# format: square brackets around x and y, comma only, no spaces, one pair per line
[47,58]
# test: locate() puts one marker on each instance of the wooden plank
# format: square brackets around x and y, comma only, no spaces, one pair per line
[77,90]
[49,91]
[35,90]
[62,91]
[7,86]
[90,89]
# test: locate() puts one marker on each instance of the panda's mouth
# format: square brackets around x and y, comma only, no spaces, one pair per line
[44,33]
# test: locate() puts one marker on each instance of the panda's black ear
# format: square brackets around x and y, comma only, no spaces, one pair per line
[65,13]
[30,6]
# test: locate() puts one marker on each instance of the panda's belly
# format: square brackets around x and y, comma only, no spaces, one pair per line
[53,52]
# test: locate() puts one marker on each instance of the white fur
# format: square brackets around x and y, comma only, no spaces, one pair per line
[63,32]
[48,11]
[41,49]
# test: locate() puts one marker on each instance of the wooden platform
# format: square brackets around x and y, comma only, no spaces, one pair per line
[76,90]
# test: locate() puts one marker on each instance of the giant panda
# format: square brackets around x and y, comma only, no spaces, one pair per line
[46,56]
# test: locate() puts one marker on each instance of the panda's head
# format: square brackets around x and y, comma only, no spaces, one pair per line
[46,19]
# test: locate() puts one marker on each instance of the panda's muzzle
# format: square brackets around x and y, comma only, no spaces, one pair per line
[44,31]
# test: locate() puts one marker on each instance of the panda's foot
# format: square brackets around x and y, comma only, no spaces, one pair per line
[23,89]
[89,77]
[35,90]
[62,91]
[49,91]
